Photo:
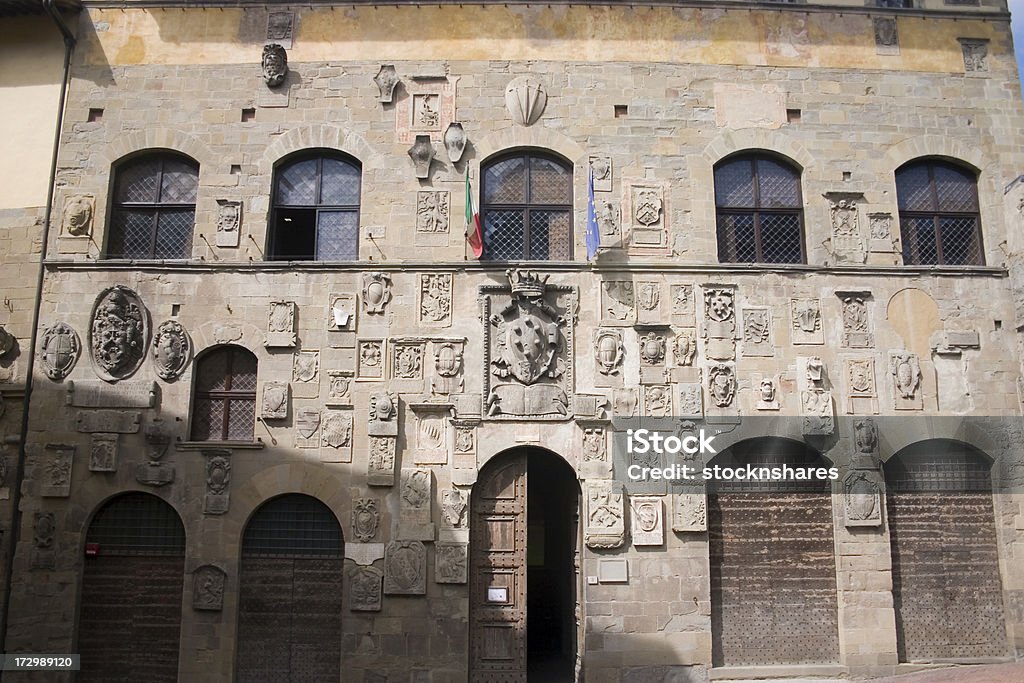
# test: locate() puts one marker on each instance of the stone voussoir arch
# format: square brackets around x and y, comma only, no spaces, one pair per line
[530,137]
[155,139]
[89,500]
[757,140]
[248,495]
[924,146]
[319,137]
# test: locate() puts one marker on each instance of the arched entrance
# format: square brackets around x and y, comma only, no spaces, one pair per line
[945,562]
[524,582]
[289,606]
[773,571]
[130,619]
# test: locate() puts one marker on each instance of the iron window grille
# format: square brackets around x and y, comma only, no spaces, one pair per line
[225,396]
[293,525]
[759,211]
[940,223]
[137,524]
[526,208]
[316,209]
[154,207]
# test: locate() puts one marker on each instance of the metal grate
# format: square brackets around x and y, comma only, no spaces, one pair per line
[770,453]
[938,466]
[939,217]
[760,216]
[527,209]
[294,525]
[225,398]
[137,524]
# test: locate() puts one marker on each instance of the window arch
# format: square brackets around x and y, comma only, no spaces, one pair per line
[526,208]
[154,207]
[940,224]
[759,210]
[315,214]
[224,403]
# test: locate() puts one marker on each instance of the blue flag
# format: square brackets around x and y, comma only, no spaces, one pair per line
[593,235]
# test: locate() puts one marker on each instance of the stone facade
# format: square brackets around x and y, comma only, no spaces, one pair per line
[383,383]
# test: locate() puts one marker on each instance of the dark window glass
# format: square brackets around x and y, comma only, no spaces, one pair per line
[293,524]
[759,211]
[316,210]
[154,208]
[939,219]
[224,408]
[526,209]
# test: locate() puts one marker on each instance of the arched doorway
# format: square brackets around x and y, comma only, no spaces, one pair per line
[773,570]
[524,581]
[945,562]
[289,606]
[130,621]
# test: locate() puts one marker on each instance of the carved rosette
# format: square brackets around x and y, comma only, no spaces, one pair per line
[528,342]
[59,350]
[172,349]
[119,333]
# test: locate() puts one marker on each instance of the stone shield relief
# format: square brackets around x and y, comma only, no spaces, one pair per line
[118,333]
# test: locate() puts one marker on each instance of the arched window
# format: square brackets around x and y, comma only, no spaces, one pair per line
[526,208]
[224,406]
[939,220]
[759,210]
[154,208]
[316,209]
[290,592]
[132,579]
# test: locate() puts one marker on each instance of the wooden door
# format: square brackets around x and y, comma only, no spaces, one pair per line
[498,575]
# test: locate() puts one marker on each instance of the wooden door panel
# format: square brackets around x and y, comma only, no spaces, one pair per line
[498,561]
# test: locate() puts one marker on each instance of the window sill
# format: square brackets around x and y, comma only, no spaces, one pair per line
[209,445]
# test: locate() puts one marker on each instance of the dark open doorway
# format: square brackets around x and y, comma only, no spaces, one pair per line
[552,510]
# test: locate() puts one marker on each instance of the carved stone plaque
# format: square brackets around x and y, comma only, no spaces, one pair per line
[365,589]
[451,561]
[861,386]
[56,478]
[818,412]
[229,221]
[806,321]
[339,388]
[336,436]
[447,361]
[84,393]
[681,305]
[605,522]
[381,465]
[121,422]
[307,423]
[383,414]
[306,373]
[432,212]
[103,453]
[690,511]
[370,363]
[862,499]
[646,215]
[435,299]
[341,313]
[691,400]
[528,348]
[647,520]
[376,292]
[618,301]
[218,479]
[281,325]
[78,214]
[405,568]
[757,332]
[275,401]
[208,588]
[365,519]
[119,333]
[407,358]
[601,170]
[856,321]
[416,496]
[905,376]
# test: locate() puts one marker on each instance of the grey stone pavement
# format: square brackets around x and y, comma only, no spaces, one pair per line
[990,673]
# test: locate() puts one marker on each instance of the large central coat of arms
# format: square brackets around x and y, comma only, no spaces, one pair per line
[119,333]
[528,349]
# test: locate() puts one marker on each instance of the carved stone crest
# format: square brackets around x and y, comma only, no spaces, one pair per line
[527,350]
[605,526]
[376,292]
[757,332]
[601,170]
[450,562]
[691,400]
[405,564]
[103,453]
[78,213]
[172,349]
[647,206]
[617,301]
[281,325]
[652,349]
[862,500]
[905,370]
[447,369]
[383,414]
[275,401]
[525,99]
[436,298]
[595,447]
[768,394]
[339,386]
[386,80]
[975,55]
[365,585]
[274,64]
[453,507]
[306,366]
[408,360]
[818,412]
[432,211]
[608,351]
[381,467]
[218,478]
[307,421]
[722,385]
[856,326]
[422,155]
[59,350]
[719,304]
[365,519]
[685,347]
[336,430]
[690,512]
[371,359]
[119,333]
[647,520]
[208,588]
[847,241]
[807,321]
[648,296]
[657,401]
[865,435]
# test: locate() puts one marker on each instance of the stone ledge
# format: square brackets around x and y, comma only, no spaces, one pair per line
[796,673]
[223,445]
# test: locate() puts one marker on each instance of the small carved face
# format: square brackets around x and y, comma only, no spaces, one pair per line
[275,65]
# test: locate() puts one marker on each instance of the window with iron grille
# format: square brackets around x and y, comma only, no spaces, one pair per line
[225,395]
[939,220]
[316,209]
[895,4]
[154,208]
[759,211]
[526,208]
[137,524]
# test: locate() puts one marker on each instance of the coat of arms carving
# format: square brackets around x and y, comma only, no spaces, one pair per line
[119,332]
[59,351]
[528,366]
